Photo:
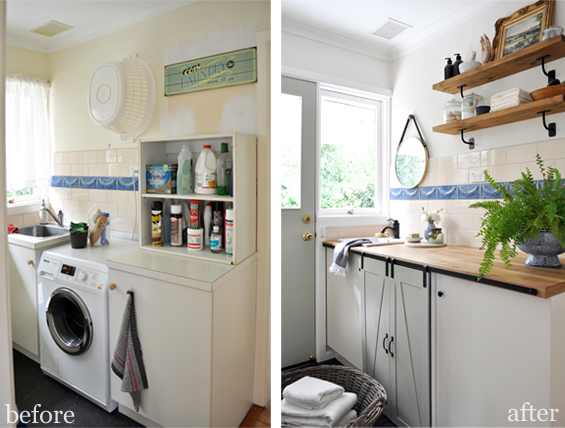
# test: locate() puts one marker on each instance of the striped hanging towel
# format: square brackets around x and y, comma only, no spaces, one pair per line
[127,363]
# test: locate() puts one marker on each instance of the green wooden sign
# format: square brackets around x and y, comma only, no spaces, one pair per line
[218,71]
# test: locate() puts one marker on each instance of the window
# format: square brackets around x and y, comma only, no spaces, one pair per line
[291,146]
[353,155]
[28,148]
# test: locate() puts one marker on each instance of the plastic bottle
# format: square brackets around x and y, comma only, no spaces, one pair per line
[205,172]
[176,226]
[156,225]
[185,172]
[194,216]
[458,61]
[224,167]
[216,240]
[229,233]
[218,219]
[207,217]
[447,73]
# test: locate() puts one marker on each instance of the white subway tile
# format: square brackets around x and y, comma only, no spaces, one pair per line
[332,233]
[552,149]
[438,204]
[437,178]
[111,156]
[16,220]
[79,169]
[79,194]
[493,157]
[468,221]
[469,160]
[417,206]
[524,153]
[97,170]
[446,163]
[65,169]
[101,156]
[127,155]
[71,205]
[57,158]
[507,172]
[112,209]
[459,176]
[81,217]
[533,167]
[448,221]
[115,196]
[87,207]
[76,157]
[97,195]
[433,165]
[60,193]
[89,156]
[119,223]
[475,241]
[128,211]
[31,218]
[67,158]
[458,237]
[457,206]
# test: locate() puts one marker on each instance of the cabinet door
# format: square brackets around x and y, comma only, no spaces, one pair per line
[411,347]
[175,330]
[23,298]
[492,354]
[344,311]
[378,311]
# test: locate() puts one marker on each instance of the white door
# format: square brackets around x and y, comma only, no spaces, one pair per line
[298,198]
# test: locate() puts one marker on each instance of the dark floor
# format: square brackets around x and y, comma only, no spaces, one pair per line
[382,420]
[33,387]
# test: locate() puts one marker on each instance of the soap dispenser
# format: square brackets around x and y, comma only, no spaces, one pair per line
[456,64]
[43,214]
[448,69]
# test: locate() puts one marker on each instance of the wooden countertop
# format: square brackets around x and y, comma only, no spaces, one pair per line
[459,260]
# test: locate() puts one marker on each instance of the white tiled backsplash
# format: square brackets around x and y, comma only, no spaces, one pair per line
[459,222]
[78,203]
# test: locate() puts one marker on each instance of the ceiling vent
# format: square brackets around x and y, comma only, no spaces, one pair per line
[51,28]
[390,28]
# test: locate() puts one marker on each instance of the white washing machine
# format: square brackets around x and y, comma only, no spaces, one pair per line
[72,309]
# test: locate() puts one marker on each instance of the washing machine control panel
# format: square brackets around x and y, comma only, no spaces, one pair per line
[78,275]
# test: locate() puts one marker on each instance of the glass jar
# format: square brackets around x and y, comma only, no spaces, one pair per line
[470,102]
[452,111]
[551,32]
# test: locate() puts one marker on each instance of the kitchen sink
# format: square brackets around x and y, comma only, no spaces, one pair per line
[43,230]
[377,241]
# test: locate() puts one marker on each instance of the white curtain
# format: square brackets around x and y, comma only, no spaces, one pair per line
[28,148]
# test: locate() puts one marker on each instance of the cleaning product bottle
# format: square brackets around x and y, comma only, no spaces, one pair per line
[224,170]
[185,173]
[216,240]
[207,223]
[447,73]
[218,218]
[229,233]
[156,228]
[205,172]
[458,61]
[176,226]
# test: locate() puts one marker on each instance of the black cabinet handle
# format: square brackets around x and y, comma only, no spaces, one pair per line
[386,265]
[440,293]
[392,268]
[389,343]
[384,340]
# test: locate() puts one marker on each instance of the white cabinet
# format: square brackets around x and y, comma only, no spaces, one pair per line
[494,351]
[397,339]
[196,324]
[344,304]
[244,201]
[23,299]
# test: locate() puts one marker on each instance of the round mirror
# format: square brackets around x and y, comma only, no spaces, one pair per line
[411,162]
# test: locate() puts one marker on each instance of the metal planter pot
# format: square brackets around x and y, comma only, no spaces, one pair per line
[543,251]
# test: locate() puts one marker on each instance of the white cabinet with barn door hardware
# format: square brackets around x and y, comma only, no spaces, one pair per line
[344,325]
[244,200]
[397,339]
[196,326]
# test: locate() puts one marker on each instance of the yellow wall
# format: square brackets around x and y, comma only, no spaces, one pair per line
[203,22]
[27,62]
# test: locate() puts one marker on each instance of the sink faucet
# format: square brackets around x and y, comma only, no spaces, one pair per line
[395,229]
[43,211]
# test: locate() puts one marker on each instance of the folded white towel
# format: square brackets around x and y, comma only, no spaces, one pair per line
[514,91]
[348,417]
[507,105]
[507,100]
[326,417]
[312,393]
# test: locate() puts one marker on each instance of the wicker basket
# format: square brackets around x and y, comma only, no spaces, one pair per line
[371,396]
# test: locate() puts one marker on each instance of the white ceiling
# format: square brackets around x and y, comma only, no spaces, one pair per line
[349,23]
[90,19]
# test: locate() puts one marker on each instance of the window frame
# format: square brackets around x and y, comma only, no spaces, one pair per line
[382,106]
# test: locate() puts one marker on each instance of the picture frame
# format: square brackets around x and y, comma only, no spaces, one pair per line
[522,29]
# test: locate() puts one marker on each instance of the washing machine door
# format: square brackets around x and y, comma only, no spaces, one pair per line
[69,321]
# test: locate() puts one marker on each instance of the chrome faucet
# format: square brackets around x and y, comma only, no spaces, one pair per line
[395,229]
[43,216]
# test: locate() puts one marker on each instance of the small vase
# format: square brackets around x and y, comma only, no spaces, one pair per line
[431,225]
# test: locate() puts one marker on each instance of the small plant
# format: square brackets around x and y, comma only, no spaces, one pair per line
[426,216]
[524,211]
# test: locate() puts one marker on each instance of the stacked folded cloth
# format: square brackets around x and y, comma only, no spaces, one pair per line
[315,402]
[510,98]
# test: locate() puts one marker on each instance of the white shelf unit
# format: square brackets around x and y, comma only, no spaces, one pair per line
[244,201]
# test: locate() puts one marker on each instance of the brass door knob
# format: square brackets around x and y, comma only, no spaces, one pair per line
[30,262]
[307,236]
[112,286]
[307,218]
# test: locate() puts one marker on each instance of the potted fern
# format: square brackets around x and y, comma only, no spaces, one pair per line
[529,217]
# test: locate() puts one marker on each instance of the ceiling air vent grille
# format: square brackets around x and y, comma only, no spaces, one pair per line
[51,28]
[390,28]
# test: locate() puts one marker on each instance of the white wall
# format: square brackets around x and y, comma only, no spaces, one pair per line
[307,54]
[413,75]
[28,62]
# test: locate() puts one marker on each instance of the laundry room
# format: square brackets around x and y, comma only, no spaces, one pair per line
[93,108]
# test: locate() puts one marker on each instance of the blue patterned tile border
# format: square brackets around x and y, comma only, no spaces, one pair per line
[103,183]
[461,191]
[447,192]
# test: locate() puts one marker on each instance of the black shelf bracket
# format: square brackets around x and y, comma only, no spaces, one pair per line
[551,73]
[461,90]
[551,128]
[470,143]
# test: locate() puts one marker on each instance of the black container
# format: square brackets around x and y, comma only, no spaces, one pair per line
[78,239]
[448,69]
[482,109]
[456,64]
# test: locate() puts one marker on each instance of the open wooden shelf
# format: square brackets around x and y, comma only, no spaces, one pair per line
[196,196]
[503,67]
[513,114]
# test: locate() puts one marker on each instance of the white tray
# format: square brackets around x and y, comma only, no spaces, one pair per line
[423,244]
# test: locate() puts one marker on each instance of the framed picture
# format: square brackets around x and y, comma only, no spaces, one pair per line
[522,29]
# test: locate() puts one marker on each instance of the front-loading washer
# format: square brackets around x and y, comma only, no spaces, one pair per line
[73,319]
